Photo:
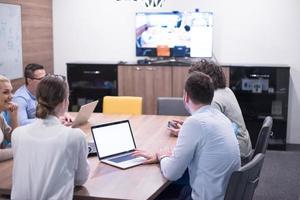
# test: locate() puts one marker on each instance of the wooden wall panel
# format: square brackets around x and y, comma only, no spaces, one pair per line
[37,34]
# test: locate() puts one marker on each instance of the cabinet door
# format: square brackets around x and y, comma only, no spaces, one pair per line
[158,83]
[131,81]
[148,82]
[179,76]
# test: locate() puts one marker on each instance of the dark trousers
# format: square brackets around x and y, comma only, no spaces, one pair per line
[179,190]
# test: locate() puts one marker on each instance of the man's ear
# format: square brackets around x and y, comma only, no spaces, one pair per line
[28,80]
[186,97]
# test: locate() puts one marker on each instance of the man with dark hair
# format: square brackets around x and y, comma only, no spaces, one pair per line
[225,101]
[206,144]
[25,95]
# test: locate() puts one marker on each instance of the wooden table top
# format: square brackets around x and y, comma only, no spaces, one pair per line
[107,182]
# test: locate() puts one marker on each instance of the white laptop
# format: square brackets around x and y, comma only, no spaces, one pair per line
[84,113]
[115,144]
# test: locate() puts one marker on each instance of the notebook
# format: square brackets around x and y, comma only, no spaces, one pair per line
[115,144]
[84,113]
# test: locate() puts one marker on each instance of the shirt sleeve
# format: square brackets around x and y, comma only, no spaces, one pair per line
[189,138]
[83,167]
[22,112]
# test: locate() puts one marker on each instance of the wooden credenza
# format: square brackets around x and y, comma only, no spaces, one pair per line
[152,81]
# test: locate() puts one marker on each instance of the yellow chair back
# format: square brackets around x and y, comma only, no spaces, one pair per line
[122,105]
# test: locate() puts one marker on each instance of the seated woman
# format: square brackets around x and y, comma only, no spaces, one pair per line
[6,105]
[49,158]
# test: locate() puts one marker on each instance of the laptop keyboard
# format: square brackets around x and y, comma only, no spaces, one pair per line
[123,158]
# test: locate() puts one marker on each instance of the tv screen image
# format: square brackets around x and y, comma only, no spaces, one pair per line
[185,34]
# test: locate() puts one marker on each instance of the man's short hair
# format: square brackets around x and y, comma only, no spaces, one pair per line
[199,87]
[213,70]
[30,69]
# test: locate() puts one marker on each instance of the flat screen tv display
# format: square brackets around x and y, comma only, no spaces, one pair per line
[174,34]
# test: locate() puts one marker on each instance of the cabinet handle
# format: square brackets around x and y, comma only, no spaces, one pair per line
[150,68]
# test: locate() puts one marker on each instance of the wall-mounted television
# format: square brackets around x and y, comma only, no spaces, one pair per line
[175,34]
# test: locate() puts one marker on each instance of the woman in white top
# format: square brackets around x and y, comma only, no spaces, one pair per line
[6,105]
[49,158]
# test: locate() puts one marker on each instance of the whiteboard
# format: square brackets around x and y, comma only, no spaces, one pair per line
[11,41]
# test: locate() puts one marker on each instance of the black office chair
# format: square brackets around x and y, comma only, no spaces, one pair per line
[262,139]
[171,106]
[263,136]
[243,182]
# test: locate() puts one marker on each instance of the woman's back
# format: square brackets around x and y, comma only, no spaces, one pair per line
[48,159]
[225,101]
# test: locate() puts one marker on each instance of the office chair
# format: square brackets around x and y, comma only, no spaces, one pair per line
[122,105]
[262,139]
[243,182]
[171,106]
[263,136]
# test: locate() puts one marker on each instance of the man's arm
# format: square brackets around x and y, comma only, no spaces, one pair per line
[174,166]
[22,111]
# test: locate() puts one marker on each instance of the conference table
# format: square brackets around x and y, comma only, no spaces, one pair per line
[108,182]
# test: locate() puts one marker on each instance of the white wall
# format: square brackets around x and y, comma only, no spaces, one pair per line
[262,32]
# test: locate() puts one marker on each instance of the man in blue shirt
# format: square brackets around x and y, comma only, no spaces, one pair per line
[206,144]
[25,95]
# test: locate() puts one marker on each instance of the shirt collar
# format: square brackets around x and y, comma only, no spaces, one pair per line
[31,95]
[51,120]
[202,109]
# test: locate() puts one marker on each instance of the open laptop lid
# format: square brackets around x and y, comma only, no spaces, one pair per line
[114,138]
[84,113]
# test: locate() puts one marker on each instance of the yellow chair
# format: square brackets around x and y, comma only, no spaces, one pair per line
[122,105]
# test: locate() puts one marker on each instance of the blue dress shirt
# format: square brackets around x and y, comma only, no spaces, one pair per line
[27,105]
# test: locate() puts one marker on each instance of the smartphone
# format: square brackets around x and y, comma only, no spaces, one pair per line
[172,124]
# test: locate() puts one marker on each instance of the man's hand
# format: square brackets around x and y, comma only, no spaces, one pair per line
[153,158]
[66,119]
[165,152]
[174,127]
[150,158]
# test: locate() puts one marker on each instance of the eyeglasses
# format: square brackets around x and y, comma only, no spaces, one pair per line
[39,79]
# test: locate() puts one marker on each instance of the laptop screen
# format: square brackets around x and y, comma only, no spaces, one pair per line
[113,138]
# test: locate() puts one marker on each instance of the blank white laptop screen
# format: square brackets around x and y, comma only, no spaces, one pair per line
[113,138]
[115,144]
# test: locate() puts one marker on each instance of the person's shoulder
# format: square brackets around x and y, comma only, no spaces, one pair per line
[76,133]
[196,119]
[21,92]
[21,131]
[20,89]
[228,90]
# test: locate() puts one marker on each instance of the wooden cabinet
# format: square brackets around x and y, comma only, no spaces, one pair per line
[179,75]
[152,81]
[148,82]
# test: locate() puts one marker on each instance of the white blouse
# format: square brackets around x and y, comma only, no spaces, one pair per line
[49,159]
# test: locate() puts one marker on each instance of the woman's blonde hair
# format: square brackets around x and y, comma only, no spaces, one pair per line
[3,79]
